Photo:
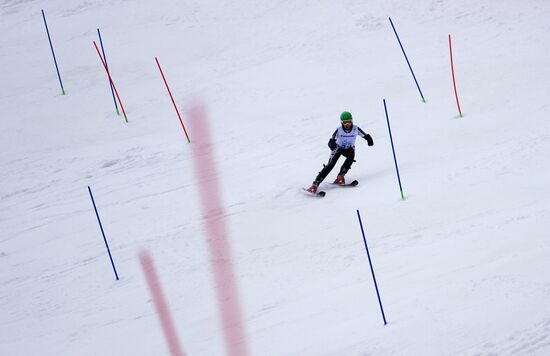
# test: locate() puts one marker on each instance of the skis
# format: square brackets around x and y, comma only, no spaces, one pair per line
[321,193]
[318,194]
[352,184]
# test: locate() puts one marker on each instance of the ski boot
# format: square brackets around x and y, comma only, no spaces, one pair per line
[313,188]
[340,180]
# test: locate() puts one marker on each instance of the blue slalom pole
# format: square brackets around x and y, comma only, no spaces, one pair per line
[53,53]
[106,65]
[407,59]
[103,233]
[393,150]
[372,269]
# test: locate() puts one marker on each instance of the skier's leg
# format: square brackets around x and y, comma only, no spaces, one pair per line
[334,155]
[350,158]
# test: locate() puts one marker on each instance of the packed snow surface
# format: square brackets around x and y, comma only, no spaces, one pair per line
[462,263]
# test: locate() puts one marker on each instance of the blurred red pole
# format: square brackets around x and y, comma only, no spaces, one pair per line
[160,304]
[217,237]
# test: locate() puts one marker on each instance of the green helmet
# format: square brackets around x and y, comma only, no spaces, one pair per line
[346,116]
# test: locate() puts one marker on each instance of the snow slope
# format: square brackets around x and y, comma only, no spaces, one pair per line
[461,263]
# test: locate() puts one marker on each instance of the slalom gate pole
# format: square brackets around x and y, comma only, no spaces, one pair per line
[53,53]
[161,306]
[106,65]
[173,102]
[407,59]
[393,150]
[453,74]
[371,268]
[103,233]
[112,82]
[217,236]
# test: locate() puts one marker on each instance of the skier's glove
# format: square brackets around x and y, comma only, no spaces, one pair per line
[370,142]
[332,144]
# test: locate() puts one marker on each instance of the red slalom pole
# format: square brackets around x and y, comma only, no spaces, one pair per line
[160,304]
[173,102]
[217,236]
[453,73]
[112,82]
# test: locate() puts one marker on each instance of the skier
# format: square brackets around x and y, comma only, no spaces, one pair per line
[342,143]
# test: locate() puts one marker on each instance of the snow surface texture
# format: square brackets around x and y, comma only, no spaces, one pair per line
[462,263]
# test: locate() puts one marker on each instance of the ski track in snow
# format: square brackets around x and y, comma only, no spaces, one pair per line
[531,341]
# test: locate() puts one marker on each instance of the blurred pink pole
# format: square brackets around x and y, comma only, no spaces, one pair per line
[218,242]
[160,304]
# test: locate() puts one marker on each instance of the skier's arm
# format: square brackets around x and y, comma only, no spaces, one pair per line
[332,141]
[366,136]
